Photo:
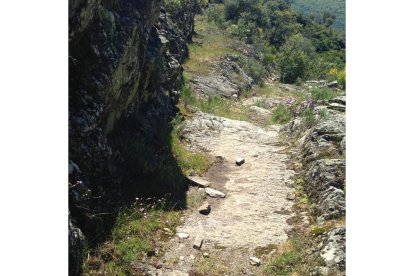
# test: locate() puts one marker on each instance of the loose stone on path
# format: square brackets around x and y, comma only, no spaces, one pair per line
[214,193]
[204,209]
[198,181]
[255,261]
[183,235]
[240,161]
[198,242]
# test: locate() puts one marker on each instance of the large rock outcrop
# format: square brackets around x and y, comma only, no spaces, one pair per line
[322,152]
[124,73]
[226,79]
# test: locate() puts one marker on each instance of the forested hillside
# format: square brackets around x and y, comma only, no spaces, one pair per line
[299,47]
[332,11]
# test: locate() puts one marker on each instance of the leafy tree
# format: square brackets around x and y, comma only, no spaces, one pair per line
[216,14]
[283,24]
[294,58]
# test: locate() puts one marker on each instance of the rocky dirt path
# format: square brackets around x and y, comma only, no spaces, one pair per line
[252,218]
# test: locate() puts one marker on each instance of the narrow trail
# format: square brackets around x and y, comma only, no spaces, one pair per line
[255,210]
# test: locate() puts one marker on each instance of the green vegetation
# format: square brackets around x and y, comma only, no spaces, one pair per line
[215,13]
[323,115]
[273,90]
[187,160]
[304,109]
[137,232]
[294,58]
[216,44]
[339,75]
[292,259]
[281,115]
[304,200]
[298,46]
[301,195]
[175,6]
[292,256]
[323,94]
[216,105]
[186,95]
[254,69]
[329,12]
[309,117]
[300,181]
[210,266]
[283,264]
[319,229]
[261,103]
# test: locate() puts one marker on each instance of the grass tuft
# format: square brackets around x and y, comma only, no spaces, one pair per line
[283,264]
[323,94]
[138,230]
[210,266]
[281,115]
[187,160]
[216,105]
[292,259]
[310,117]
[216,43]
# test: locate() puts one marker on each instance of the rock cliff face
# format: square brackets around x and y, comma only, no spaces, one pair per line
[124,73]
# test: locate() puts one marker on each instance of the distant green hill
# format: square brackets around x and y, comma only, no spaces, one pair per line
[319,7]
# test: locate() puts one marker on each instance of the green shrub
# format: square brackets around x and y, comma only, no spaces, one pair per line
[283,264]
[323,115]
[231,9]
[293,59]
[214,104]
[203,3]
[186,95]
[172,6]
[300,181]
[255,69]
[309,116]
[266,52]
[281,114]
[215,13]
[323,94]
[304,200]
[338,75]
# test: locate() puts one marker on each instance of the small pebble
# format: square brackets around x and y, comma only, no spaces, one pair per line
[255,261]
[183,235]
[240,161]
